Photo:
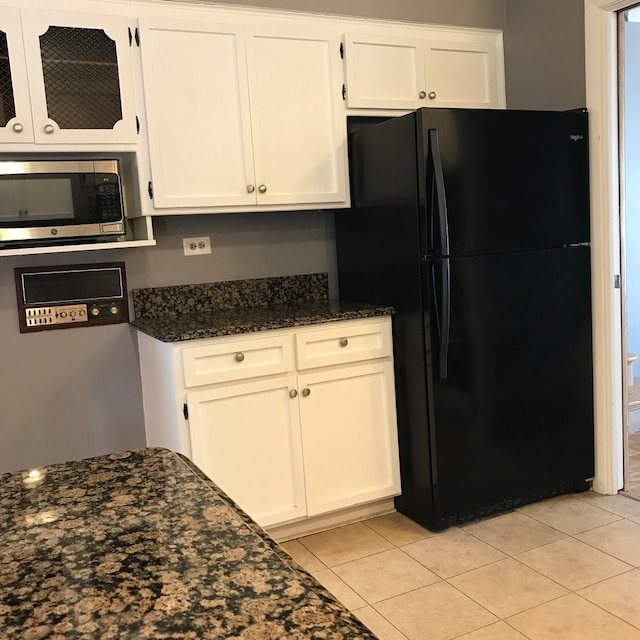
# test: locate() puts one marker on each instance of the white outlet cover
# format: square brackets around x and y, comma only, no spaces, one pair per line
[196,246]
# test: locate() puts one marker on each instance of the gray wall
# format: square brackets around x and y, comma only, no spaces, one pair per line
[469,13]
[75,393]
[544,54]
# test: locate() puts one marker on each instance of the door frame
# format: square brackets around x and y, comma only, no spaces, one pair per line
[601,66]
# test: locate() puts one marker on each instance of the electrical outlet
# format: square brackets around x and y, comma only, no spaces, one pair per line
[196,246]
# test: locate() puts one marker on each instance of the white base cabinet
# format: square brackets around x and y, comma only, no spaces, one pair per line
[289,423]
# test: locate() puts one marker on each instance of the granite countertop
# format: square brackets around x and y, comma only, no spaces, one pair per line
[175,328]
[189,312]
[141,545]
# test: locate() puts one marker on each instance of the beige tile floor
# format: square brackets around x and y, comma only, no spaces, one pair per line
[634,465]
[562,569]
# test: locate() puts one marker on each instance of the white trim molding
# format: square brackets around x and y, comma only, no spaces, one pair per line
[601,61]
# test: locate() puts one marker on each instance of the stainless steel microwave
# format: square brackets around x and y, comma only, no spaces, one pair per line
[60,202]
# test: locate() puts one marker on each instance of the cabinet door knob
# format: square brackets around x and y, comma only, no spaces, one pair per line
[306,392]
[262,188]
[293,393]
[49,128]
[432,95]
[17,127]
[239,357]
[422,95]
[343,342]
[250,188]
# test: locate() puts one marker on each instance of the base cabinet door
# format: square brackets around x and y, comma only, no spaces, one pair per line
[246,438]
[349,436]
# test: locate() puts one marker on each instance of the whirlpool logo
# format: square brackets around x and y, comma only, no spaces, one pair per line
[575,137]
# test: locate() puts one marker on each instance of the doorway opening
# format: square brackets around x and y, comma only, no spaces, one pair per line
[629,92]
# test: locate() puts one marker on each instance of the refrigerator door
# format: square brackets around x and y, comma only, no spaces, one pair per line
[511,413]
[496,195]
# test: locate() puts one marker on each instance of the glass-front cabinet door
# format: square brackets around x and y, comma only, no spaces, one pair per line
[80,78]
[15,110]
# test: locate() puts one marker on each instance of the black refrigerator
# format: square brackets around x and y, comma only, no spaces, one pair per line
[474,225]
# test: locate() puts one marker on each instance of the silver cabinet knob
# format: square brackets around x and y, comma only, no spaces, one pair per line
[432,95]
[239,357]
[293,393]
[250,188]
[17,127]
[49,128]
[262,188]
[343,342]
[306,392]
[422,95]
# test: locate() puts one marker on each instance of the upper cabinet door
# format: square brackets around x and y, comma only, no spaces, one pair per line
[80,77]
[297,117]
[197,107]
[443,68]
[384,72]
[465,72]
[15,109]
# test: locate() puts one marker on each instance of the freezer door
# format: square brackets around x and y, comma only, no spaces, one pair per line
[511,413]
[512,179]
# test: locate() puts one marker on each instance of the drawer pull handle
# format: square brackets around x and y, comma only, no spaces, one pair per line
[422,95]
[432,95]
[306,392]
[343,342]
[239,357]
[293,393]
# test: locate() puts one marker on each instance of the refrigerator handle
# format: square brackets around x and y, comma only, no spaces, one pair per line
[445,318]
[443,216]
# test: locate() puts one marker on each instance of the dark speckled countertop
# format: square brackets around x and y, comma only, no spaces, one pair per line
[189,312]
[142,545]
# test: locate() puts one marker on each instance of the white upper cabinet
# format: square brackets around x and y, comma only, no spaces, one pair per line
[240,118]
[382,71]
[73,83]
[298,124]
[437,68]
[15,108]
[465,71]
[197,100]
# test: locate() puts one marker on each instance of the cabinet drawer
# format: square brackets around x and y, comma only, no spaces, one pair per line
[237,360]
[343,344]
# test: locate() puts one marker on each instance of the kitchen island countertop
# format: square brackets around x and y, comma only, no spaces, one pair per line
[142,545]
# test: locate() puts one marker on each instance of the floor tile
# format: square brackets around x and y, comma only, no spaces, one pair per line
[618,595]
[385,575]
[342,592]
[452,552]
[507,587]
[345,543]
[620,539]
[498,631]
[572,618]
[436,612]
[513,533]
[382,628]
[398,529]
[303,556]
[568,514]
[572,563]
[618,504]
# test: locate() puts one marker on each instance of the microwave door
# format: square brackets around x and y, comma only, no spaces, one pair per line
[38,198]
